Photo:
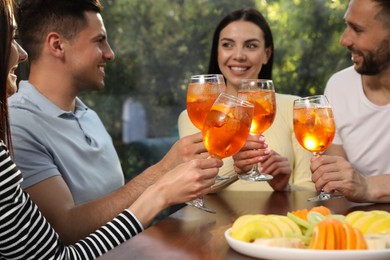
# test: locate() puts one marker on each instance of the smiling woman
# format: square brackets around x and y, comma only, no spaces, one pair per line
[243,48]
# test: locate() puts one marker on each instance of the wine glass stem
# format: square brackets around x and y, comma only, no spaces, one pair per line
[255,168]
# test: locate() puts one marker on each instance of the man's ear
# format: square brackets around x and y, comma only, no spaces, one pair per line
[55,43]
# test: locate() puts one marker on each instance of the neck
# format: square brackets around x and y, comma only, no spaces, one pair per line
[54,86]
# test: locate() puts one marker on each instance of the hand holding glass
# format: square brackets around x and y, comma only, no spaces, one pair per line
[314,129]
[261,93]
[202,91]
[226,129]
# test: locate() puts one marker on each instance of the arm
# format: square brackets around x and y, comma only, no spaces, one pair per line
[174,187]
[186,182]
[22,224]
[333,172]
[73,221]
[184,150]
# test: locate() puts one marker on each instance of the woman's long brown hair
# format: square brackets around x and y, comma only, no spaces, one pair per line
[6,34]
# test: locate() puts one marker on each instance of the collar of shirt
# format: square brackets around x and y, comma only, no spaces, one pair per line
[28,91]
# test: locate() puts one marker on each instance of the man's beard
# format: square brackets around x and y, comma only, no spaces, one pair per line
[375,62]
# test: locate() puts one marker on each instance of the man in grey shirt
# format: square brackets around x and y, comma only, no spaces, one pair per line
[73,145]
[71,168]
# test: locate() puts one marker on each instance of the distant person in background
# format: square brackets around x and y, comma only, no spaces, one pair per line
[357,163]
[243,48]
[24,232]
[70,167]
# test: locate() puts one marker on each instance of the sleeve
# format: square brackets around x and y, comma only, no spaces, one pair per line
[31,155]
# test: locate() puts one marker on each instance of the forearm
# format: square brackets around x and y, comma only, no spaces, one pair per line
[378,188]
[143,210]
[109,206]
[74,222]
[136,186]
[78,221]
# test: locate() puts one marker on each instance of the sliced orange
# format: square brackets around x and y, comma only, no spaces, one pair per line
[350,236]
[321,209]
[360,241]
[330,226]
[302,213]
[319,236]
[342,241]
[339,234]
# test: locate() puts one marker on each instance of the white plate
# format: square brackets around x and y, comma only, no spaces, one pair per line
[261,251]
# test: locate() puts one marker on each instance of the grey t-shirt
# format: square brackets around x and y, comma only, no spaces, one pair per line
[51,142]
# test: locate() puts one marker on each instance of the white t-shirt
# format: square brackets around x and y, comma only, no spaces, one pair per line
[362,127]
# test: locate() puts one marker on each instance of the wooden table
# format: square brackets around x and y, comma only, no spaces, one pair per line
[191,233]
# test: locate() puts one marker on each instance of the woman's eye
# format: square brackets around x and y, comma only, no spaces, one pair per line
[252,46]
[227,45]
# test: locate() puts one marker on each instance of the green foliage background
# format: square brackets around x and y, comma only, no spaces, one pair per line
[159,44]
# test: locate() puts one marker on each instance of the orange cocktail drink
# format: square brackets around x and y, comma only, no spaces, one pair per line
[265,108]
[227,127]
[314,128]
[202,91]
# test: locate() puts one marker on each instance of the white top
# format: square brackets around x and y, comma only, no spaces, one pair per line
[361,126]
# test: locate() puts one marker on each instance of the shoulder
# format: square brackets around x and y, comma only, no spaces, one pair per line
[286,98]
[285,102]
[342,74]
[183,115]
[342,83]
[342,77]
[185,125]
[183,119]
[284,112]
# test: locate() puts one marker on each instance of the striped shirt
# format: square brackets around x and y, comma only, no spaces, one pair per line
[25,233]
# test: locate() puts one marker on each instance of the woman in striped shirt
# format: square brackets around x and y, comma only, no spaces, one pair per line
[25,233]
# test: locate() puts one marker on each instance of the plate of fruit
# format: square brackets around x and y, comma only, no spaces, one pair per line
[312,234]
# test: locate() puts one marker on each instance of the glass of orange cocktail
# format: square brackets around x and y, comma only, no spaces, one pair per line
[314,129]
[227,125]
[226,128]
[261,93]
[202,91]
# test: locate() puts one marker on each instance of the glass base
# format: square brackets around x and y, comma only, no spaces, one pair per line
[255,177]
[221,178]
[325,196]
[199,204]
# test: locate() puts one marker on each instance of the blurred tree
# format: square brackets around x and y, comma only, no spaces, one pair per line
[306,35]
[159,44]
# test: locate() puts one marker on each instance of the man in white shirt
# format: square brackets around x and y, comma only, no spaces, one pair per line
[357,163]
